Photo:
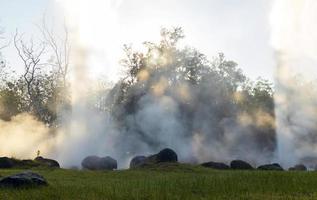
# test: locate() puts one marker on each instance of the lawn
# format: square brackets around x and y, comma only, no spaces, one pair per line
[185,182]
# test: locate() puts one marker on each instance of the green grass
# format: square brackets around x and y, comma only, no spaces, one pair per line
[167,182]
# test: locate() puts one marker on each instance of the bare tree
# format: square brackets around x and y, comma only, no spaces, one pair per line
[60,48]
[3,44]
[2,38]
[30,54]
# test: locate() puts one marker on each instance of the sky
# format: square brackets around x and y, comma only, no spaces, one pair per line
[238,28]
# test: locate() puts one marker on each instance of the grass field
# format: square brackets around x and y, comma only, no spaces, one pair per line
[174,182]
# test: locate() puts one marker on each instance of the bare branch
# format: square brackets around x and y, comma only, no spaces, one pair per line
[60,48]
[6,44]
[30,54]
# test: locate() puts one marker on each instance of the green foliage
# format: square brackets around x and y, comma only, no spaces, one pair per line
[42,98]
[10,102]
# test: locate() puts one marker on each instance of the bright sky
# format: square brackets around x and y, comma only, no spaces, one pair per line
[239,28]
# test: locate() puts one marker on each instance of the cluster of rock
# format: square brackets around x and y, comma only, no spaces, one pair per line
[235,164]
[169,156]
[242,165]
[164,156]
[6,163]
[28,178]
[108,163]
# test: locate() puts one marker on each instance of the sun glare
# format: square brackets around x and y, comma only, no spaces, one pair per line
[94,27]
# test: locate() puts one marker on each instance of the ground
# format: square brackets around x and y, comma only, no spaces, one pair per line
[171,182]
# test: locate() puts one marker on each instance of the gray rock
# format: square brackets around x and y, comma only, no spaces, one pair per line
[6,162]
[215,165]
[240,164]
[273,167]
[47,162]
[98,163]
[299,167]
[23,179]
[165,155]
[137,161]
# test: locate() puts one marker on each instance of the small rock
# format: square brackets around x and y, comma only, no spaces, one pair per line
[299,167]
[98,163]
[47,162]
[215,165]
[240,164]
[23,179]
[28,163]
[6,162]
[165,155]
[137,161]
[274,166]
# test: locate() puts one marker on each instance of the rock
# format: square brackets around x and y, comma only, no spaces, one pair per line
[28,163]
[215,165]
[47,162]
[310,162]
[165,155]
[98,163]
[23,179]
[6,162]
[299,167]
[137,161]
[240,164]
[274,166]
[91,162]
[109,163]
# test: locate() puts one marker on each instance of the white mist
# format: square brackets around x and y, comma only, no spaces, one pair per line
[294,37]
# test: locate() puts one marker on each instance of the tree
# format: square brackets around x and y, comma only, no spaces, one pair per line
[10,102]
[43,86]
[60,49]
[31,57]
[201,97]
[3,45]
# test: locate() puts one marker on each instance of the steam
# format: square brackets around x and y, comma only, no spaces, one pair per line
[199,133]
[203,131]
[294,37]
[23,136]
[162,121]
[93,28]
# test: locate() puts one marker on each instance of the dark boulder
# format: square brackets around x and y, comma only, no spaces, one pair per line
[137,161]
[47,162]
[28,163]
[6,162]
[215,165]
[240,164]
[91,162]
[23,179]
[98,163]
[165,155]
[299,167]
[310,162]
[274,167]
